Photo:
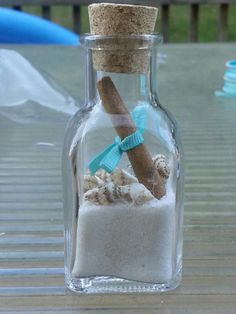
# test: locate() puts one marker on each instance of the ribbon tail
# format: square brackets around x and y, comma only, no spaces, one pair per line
[111,160]
[94,165]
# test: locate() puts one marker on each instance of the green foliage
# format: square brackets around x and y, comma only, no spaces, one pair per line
[232,23]
[179,21]
[208,23]
[178,28]
[84,20]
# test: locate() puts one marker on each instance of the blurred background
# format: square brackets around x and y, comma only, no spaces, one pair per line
[211,17]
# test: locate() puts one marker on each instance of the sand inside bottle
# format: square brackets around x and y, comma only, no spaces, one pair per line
[133,242]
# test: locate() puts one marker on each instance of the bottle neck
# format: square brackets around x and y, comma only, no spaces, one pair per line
[134,88]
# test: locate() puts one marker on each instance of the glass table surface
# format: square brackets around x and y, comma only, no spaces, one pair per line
[31,215]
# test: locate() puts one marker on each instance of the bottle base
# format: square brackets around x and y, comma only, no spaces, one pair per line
[109,285]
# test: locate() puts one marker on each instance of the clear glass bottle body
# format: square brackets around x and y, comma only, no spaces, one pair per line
[118,236]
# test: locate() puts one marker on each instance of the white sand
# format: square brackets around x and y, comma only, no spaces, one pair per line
[127,241]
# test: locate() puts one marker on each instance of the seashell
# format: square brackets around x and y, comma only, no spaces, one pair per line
[91,182]
[111,193]
[161,166]
[140,194]
[103,175]
[118,177]
[122,177]
[104,195]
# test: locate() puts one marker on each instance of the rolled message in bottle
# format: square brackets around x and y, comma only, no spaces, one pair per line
[139,156]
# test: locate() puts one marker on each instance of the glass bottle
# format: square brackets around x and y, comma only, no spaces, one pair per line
[120,234]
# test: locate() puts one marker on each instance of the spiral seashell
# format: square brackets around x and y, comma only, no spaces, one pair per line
[118,177]
[111,193]
[161,166]
[91,182]
[104,195]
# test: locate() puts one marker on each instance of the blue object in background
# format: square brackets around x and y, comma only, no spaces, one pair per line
[22,28]
[230,78]
[229,88]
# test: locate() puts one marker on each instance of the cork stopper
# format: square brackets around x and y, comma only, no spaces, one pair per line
[121,54]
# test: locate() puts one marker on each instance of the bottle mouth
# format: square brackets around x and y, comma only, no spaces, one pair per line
[120,42]
[121,53]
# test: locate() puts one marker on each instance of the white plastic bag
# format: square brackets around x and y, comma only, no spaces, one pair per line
[26,96]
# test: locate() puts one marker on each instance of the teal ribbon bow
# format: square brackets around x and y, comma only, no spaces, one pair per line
[109,158]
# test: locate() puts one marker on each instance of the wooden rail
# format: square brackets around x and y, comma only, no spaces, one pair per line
[164,5]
